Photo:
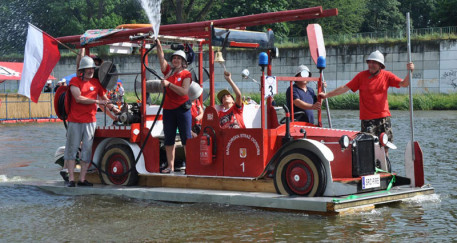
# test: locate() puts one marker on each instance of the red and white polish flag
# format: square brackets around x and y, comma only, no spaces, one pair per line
[40,57]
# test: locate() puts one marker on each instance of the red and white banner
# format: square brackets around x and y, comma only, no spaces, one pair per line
[40,57]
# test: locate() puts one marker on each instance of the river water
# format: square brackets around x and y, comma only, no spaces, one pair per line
[29,214]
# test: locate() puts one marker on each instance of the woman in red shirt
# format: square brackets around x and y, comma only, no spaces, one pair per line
[176,106]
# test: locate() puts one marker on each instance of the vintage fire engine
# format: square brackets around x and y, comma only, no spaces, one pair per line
[294,158]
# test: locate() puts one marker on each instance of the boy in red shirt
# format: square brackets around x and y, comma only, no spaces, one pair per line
[231,115]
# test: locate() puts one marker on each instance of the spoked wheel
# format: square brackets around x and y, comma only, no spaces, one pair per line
[117,166]
[300,172]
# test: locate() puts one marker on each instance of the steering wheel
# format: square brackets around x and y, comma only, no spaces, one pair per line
[297,117]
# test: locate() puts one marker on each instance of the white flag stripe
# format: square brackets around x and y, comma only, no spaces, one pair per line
[32,61]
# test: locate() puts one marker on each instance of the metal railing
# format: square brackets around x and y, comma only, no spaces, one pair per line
[438,32]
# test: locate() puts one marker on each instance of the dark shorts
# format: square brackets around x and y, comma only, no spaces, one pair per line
[177,118]
[378,126]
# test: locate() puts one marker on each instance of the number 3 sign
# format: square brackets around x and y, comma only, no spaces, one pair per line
[271,86]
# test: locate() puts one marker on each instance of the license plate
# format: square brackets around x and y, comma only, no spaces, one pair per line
[371,181]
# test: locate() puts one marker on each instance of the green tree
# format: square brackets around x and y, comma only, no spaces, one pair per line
[186,11]
[351,15]
[383,15]
[445,13]
[235,8]
[420,11]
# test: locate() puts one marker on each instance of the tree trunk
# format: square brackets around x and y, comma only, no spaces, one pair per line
[179,17]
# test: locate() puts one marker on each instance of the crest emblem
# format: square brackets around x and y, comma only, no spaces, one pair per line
[243,152]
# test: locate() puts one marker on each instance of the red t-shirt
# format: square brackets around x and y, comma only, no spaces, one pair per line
[373,102]
[82,113]
[173,100]
[232,118]
[194,111]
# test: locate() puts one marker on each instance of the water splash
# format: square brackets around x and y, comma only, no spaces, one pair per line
[152,9]
[4,178]
[420,199]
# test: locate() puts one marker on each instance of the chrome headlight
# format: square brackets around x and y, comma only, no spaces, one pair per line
[344,141]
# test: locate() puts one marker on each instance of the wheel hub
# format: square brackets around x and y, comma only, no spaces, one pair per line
[299,177]
[117,168]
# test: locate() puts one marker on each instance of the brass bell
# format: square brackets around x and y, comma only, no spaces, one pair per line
[219,58]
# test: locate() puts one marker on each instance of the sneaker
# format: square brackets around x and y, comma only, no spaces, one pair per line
[70,184]
[84,183]
[64,175]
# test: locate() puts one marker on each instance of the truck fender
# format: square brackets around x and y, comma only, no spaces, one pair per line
[319,149]
[98,154]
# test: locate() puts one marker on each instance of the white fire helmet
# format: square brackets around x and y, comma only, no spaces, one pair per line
[86,62]
[378,57]
[302,68]
[180,53]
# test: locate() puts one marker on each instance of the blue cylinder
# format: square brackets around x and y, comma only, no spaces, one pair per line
[263,59]
[321,64]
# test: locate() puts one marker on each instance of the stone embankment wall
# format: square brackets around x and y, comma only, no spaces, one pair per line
[435,61]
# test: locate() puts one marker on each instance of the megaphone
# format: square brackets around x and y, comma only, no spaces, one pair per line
[154,86]
[107,74]
[195,90]
[245,74]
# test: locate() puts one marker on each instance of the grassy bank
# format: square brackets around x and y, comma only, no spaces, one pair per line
[350,101]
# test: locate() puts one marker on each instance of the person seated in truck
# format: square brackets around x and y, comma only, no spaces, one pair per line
[304,97]
[231,115]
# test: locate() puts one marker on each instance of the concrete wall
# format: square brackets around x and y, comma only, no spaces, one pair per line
[435,61]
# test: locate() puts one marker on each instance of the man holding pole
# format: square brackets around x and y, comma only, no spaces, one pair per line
[373,85]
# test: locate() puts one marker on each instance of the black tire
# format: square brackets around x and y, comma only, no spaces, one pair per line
[117,160]
[300,172]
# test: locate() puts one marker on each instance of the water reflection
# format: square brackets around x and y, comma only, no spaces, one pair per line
[29,214]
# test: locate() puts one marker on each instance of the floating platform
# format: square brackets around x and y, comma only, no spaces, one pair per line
[267,200]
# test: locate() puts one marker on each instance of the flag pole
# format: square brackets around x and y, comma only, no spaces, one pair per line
[69,48]
[411,106]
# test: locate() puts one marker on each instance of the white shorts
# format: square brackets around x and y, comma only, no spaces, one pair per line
[79,135]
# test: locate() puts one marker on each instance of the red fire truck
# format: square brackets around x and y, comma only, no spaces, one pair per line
[294,158]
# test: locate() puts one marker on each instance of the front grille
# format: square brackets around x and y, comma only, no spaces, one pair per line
[363,158]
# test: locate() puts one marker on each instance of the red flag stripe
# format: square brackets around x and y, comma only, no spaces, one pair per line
[51,56]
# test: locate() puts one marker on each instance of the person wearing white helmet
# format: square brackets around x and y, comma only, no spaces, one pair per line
[304,97]
[373,85]
[176,106]
[48,87]
[86,94]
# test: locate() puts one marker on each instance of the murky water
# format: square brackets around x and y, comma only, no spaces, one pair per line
[29,214]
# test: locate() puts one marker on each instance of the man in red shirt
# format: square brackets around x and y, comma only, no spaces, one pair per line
[86,93]
[231,115]
[373,85]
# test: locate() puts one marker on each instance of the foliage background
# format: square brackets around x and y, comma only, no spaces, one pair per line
[73,17]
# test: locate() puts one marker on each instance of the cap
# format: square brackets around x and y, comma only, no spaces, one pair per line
[223,93]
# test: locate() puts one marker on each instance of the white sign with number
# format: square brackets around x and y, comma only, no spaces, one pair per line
[271,86]
[372,181]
